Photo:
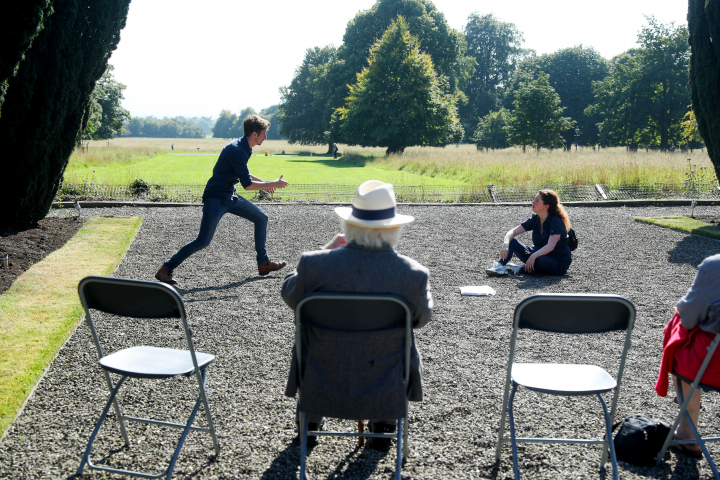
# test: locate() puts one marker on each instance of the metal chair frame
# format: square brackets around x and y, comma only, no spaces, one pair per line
[401,435]
[684,401]
[580,326]
[158,301]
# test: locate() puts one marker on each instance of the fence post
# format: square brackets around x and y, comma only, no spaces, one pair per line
[491,189]
[600,191]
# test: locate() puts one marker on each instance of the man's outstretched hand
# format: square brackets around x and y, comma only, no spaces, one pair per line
[279,183]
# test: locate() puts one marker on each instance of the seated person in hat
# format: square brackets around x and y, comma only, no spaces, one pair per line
[363,260]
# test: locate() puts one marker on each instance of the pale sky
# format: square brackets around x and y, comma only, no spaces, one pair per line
[198,57]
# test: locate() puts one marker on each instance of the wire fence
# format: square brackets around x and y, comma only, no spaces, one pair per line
[414,194]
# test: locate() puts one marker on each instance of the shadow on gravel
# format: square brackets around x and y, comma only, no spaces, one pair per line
[213,288]
[690,250]
[534,282]
[357,464]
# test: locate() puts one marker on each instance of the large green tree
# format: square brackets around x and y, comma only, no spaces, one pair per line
[496,47]
[492,130]
[48,100]
[572,72]
[398,100]
[704,26]
[304,111]
[645,96]
[17,31]
[321,84]
[223,125]
[107,114]
[537,117]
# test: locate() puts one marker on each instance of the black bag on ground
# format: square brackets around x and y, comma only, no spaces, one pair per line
[572,240]
[639,439]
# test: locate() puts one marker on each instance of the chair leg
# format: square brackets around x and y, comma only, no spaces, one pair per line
[406,435]
[695,430]
[118,412]
[304,420]
[501,430]
[186,430]
[608,439]
[103,415]
[513,443]
[208,415]
[399,461]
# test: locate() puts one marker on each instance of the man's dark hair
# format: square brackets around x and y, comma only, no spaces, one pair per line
[253,123]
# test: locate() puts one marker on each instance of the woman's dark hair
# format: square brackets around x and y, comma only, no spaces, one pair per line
[549,197]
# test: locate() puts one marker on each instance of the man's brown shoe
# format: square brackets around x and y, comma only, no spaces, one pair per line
[165,276]
[269,266]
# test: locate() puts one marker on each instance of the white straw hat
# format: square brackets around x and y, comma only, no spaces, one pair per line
[374,206]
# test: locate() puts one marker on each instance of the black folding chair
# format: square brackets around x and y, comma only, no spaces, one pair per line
[140,299]
[574,314]
[376,316]
[684,400]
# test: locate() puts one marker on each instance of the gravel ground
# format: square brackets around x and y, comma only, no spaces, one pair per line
[240,317]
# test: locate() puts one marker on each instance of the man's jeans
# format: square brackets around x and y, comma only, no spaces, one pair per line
[543,264]
[213,211]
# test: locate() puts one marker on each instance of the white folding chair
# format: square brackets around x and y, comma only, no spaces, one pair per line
[574,314]
[684,400]
[143,300]
[349,315]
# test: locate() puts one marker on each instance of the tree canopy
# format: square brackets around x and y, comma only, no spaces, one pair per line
[572,72]
[398,100]
[48,100]
[107,117]
[321,84]
[704,26]
[492,130]
[496,47]
[177,127]
[537,117]
[645,96]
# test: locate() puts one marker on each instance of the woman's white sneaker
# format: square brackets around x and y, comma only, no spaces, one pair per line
[497,270]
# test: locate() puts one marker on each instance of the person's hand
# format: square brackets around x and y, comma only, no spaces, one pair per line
[504,252]
[337,242]
[530,264]
[280,183]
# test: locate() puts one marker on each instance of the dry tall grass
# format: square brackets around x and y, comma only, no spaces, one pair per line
[509,166]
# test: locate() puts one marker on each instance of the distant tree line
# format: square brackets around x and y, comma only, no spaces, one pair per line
[229,125]
[403,77]
[178,127]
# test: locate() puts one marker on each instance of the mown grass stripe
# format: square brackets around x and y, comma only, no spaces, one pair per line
[684,224]
[40,310]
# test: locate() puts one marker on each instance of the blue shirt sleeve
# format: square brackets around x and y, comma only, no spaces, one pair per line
[557,227]
[238,159]
[529,224]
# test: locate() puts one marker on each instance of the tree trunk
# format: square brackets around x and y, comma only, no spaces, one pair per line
[46,101]
[704,27]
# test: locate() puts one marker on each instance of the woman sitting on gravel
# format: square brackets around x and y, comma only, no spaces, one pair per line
[550,253]
[686,339]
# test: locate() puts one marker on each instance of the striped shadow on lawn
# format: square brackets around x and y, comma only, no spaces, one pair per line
[41,308]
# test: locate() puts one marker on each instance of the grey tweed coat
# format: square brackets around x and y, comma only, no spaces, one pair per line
[356,269]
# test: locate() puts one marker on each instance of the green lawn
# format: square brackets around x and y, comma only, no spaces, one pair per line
[684,224]
[167,169]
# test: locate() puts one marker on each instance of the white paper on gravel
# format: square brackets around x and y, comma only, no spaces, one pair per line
[477,290]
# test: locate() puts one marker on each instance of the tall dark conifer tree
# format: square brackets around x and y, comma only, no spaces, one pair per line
[704,26]
[48,99]
[17,32]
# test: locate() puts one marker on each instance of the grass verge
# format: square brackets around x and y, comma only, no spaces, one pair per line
[41,308]
[684,224]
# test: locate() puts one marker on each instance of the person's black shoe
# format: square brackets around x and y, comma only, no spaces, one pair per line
[380,444]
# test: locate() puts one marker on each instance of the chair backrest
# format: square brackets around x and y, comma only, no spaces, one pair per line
[368,315]
[575,313]
[131,298]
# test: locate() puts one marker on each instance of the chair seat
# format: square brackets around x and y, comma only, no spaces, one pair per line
[154,362]
[562,379]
